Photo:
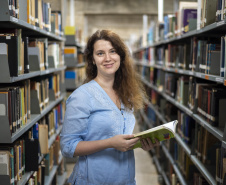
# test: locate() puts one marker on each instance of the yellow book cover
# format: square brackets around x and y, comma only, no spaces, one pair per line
[162,132]
[69,30]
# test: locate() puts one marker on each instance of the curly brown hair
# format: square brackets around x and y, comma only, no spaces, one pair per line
[127,84]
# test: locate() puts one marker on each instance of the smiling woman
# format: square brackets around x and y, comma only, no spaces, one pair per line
[99,119]
[126,82]
[106,59]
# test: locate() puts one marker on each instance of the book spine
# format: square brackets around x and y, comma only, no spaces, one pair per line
[214,108]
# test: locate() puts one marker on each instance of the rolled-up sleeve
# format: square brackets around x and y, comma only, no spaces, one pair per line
[75,126]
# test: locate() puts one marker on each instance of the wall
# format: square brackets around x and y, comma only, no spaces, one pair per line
[122,16]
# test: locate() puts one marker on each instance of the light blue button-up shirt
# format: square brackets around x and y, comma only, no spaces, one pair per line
[92,115]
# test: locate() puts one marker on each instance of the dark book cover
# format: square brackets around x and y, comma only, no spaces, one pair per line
[26,57]
[16,8]
[31,154]
[187,15]
[36,14]
[43,168]
[217,95]
[222,56]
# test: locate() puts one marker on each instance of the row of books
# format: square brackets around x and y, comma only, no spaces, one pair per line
[204,55]
[16,100]
[189,16]
[181,160]
[71,32]
[24,155]
[27,53]
[201,97]
[15,103]
[48,125]
[77,75]
[182,21]
[38,177]
[73,55]
[190,171]
[208,100]
[39,14]
[14,8]
[207,148]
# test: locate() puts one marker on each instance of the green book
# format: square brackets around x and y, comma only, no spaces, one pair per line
[162,132]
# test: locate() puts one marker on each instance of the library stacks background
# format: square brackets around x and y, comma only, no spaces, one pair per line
[181,62]
[32,93]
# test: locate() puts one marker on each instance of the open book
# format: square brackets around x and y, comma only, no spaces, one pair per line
[162,132]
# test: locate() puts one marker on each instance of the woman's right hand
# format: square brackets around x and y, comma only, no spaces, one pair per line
[123,143]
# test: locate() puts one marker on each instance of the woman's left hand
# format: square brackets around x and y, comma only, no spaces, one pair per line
[147,144]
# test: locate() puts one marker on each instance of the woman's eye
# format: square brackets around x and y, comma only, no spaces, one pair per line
[99,54]
[113,51]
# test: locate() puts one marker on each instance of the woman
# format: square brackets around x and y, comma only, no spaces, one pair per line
[99,118]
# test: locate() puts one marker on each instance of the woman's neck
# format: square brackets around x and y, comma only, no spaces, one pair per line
[105,83]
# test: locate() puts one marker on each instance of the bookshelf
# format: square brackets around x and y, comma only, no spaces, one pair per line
[74,59]
[160,58]
[168,155]
[40,103]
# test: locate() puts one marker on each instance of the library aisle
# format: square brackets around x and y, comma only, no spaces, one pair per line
[146,172]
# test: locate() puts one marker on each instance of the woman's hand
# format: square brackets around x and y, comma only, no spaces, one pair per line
[147,144]
[123,143]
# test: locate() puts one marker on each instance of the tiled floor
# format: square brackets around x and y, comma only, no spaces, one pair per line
[146,173]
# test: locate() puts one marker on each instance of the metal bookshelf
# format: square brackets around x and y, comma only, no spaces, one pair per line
[194,159]
[213,78]
[28,30]
[31,75]
[214,28]
[5,136]
[27,175]
[168,155]
[213,130]
[8,21]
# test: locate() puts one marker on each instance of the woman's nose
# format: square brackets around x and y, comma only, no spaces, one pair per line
[108,57]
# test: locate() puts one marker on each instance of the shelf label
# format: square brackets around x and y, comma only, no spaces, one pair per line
[190,73]
[206,77]
[199,75]
[34,27]
[180,71]
[219,79]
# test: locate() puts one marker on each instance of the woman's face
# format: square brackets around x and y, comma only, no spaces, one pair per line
[105,58]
